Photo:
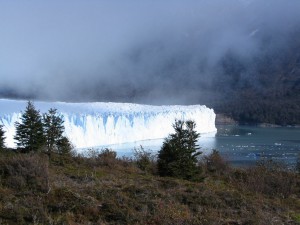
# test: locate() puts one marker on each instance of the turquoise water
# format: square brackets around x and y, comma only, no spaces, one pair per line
[240,145]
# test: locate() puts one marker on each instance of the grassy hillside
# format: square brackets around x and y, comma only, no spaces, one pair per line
[36,189]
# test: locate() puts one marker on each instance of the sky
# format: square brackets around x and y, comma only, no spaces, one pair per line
[158,52]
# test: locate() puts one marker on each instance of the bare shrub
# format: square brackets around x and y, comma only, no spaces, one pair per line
[145,160]
[25,171]
[103,158]
[92,153]
[270,178]
[215,163]
[107,157]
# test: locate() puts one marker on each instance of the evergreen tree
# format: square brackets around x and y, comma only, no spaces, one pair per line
[64,146]
[178,155]
[2,137]
[29,132]
[53,128]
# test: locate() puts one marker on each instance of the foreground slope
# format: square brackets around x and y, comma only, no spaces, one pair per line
[106,190]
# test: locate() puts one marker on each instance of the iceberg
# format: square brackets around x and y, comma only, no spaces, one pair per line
[99,124]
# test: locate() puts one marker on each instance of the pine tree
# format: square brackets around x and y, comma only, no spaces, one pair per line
[53,128]
[29,132]
[2,137]
[64,146]
[178,155]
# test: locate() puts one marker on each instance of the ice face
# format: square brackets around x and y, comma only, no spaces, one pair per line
[96,124]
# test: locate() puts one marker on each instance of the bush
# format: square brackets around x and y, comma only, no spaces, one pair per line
[214,163]
[270,178]
[107,157]
[107,153]
[145,160]
[25,171]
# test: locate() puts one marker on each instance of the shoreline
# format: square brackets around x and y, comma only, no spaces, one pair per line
[222,119]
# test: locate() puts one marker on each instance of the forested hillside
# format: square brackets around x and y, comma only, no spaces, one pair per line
[270,93]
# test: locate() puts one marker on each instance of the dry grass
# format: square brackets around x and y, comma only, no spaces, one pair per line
[107,190]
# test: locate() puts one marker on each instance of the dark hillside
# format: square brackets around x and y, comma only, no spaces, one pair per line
[270,93]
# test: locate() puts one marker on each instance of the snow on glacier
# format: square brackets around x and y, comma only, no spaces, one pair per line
[99,124]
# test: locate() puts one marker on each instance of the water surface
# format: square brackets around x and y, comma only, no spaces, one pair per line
[244,145]
[240,145]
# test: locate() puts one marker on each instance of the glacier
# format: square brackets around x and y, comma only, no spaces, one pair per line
[99,124]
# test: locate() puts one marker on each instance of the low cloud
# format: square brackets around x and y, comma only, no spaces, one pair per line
[135,51]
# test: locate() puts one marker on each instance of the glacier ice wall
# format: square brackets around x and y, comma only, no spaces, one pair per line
[96,124]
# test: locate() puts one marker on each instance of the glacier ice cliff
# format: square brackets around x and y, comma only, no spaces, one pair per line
[98,124]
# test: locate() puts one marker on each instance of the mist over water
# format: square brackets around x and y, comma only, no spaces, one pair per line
[158,52]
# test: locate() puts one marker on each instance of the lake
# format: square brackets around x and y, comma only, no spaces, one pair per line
[244,145]
[240,145]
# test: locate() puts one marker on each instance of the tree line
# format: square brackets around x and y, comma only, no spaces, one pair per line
[178,156]
[38,132]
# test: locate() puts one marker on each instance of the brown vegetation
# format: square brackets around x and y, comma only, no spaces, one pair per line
[104,189]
